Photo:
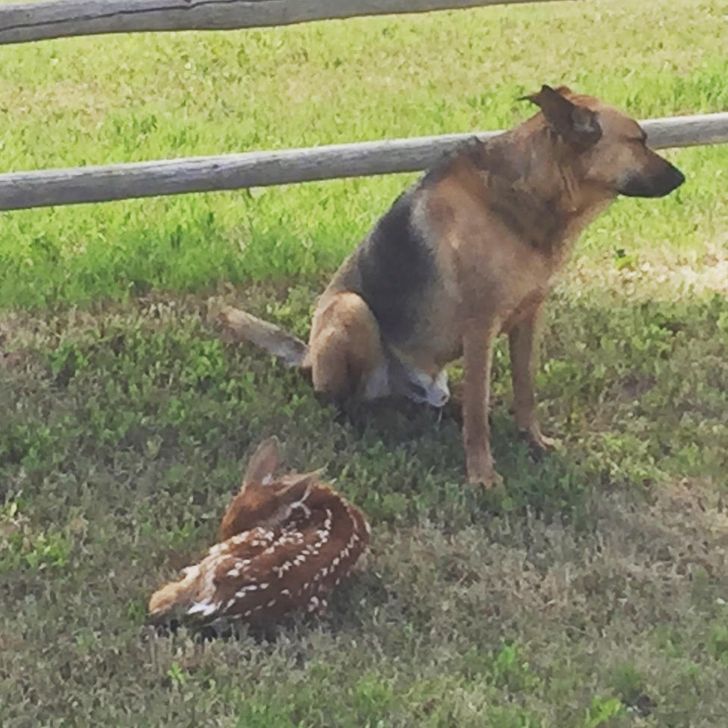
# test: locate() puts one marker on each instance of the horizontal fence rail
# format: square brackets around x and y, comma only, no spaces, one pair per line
[21,190]
[62,18]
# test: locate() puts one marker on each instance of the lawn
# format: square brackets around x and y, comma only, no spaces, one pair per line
[592,592]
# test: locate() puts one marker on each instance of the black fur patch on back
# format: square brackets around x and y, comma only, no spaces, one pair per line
[396,268]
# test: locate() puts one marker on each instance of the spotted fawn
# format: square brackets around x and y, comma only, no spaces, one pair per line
[284,543]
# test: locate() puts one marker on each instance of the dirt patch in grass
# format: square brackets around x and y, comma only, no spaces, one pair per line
[662,275]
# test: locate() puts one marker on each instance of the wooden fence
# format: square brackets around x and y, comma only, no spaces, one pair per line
[62,18]
[261,169]
[21,23]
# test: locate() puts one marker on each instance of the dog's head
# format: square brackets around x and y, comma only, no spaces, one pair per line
[611,147]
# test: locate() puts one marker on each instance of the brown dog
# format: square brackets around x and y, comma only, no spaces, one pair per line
[468,252]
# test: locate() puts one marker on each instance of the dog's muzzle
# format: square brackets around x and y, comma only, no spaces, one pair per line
[653,186]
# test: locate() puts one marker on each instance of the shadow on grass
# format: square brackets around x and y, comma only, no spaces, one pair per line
[125,430]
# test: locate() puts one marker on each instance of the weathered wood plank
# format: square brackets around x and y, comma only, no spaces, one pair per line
[62,18]
[21,190]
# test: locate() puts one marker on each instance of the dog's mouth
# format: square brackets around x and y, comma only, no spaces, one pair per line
[423,389]
[432,396]
[654,186]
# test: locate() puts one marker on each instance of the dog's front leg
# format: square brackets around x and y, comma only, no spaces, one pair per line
[477,358]
[522,345]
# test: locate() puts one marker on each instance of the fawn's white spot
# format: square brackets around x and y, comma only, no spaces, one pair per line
[203,608]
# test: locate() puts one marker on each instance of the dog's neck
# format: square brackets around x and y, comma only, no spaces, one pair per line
[536,186]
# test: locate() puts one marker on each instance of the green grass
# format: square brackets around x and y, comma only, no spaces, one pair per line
[592,592]
[119,98]
[594,587]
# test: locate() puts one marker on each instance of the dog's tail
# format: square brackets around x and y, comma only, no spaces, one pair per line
[289,349]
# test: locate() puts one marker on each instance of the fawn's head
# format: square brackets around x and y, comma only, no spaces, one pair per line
[266,499]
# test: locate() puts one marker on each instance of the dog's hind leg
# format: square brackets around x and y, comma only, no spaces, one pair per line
[345,355]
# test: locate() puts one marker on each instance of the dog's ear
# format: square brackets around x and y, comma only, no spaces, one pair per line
[575,124]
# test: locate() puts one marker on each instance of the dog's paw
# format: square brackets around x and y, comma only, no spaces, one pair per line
[538,443]
[550,443]
[488,479]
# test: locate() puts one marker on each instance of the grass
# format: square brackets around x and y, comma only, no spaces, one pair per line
[592,592]
[166,95]
[596,585]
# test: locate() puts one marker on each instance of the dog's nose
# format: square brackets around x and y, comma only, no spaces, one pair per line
[670,179]
[676,178]
[657,185]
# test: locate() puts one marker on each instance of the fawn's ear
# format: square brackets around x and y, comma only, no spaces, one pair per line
[575,124]
[300,486]
[263,463]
